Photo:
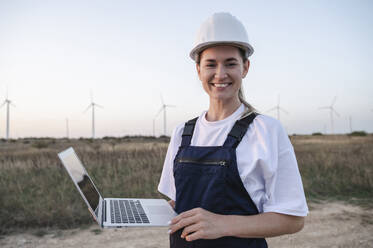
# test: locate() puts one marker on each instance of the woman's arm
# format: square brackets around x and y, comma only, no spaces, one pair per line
[202,224]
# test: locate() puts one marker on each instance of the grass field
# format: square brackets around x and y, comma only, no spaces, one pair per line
[35,190]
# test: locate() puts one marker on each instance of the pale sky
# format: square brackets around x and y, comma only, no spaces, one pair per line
[52,53]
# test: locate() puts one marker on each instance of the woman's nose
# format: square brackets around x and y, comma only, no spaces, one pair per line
[220,72]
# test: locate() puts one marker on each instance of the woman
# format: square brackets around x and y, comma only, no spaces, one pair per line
[231,174]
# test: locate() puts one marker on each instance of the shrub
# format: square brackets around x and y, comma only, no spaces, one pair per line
[317,134]
[358,133]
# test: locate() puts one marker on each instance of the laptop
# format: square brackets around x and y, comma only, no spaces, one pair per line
[115,212]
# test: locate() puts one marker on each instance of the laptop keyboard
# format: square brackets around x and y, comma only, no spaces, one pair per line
[127,211]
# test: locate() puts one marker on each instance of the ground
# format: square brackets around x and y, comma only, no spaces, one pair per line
[332,224]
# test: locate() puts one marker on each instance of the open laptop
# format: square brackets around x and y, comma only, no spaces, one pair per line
[115,212]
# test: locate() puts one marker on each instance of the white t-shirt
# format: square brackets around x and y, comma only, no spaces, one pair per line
[265,159]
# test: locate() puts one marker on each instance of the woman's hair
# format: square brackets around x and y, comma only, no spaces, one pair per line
[241,95]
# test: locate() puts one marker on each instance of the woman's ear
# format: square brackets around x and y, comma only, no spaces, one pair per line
[198,68]
[246,67]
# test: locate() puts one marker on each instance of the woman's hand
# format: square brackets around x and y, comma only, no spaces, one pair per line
[198,224]
[201,224]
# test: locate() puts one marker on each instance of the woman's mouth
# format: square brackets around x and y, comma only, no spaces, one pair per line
[221,85]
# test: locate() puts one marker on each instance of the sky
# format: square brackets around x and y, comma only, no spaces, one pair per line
[129,53]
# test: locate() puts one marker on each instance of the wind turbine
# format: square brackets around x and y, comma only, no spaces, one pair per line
[350,122]
[163,108]
[67,128]
[332,110]
[7,102]
[278,108]
[154,127]
[92,105]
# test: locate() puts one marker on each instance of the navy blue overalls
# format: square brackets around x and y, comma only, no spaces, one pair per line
[207,177]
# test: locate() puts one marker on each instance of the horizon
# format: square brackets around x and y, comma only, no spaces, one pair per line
[356,133]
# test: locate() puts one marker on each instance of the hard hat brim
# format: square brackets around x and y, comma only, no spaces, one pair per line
[242,45]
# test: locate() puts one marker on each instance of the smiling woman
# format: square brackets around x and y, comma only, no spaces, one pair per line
[231,173]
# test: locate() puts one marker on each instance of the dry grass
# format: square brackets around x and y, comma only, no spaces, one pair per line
[35,191]
[339,167]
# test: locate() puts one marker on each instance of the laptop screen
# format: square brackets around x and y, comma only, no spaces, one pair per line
[80,177]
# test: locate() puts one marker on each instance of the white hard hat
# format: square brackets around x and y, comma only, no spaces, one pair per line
[220,29]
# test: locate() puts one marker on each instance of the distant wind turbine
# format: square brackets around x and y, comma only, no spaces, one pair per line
[163,108]
[154,127]
[7,102]
[67,128]
[332,110]
[350,122]
[92,105]
[278,108]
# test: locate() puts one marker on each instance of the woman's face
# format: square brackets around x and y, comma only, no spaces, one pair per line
[221,70]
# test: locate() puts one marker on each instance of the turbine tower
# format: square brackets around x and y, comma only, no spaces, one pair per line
[7,102]
[67,128]
[163,108]
[332,110]
[278,108]
[92,105]
[154,127]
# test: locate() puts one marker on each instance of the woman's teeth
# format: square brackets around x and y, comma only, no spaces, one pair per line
[220,85]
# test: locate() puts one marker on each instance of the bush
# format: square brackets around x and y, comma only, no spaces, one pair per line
[358,133]
[317,134]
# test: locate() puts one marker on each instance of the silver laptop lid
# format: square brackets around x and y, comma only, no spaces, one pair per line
[82,181]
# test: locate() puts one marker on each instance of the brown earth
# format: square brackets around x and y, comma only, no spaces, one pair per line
[335,224]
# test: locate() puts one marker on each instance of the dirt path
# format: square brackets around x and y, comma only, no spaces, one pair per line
[328,225]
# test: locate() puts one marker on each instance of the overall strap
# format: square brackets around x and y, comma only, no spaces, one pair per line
[188,132]
[238,131]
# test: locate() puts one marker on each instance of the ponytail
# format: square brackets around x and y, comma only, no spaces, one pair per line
[249,108]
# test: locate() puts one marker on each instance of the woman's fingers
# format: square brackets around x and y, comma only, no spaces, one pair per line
[190,229]
[183,215]
[187,220]
[199,223]
[196,235]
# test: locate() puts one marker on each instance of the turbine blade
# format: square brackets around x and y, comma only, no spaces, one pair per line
[173,106]
[3,104]
[89,106]
[274,108]
[324,108]
[334,99]
[283,110]
[335,112]
[160,110]
[162,99]
[98,105]
[91,95]
[278,100]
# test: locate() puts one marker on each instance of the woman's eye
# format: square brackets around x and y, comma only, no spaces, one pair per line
[231,64]
[210,65]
